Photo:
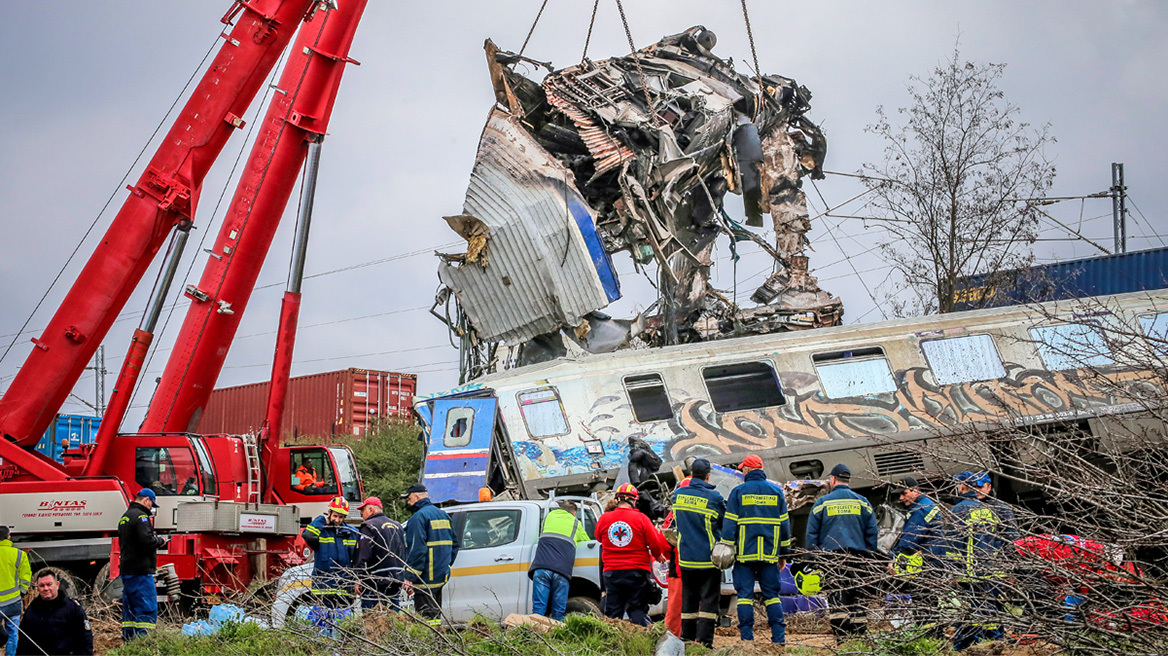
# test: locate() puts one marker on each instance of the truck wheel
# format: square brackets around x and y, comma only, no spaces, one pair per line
[106,589]
[584,606]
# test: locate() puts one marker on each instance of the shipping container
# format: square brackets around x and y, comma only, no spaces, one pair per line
[346,402]
[68,431]
[1095,276]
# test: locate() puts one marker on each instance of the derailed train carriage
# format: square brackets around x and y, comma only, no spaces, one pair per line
[887,399]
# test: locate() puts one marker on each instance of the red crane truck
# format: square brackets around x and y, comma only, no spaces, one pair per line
[229,503]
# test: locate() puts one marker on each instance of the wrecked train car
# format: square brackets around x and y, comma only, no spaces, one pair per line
[882,398]
[632,155]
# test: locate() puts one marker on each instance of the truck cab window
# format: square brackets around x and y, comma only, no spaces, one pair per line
[482,529]
[210,485]
[648,397]
[168,470]
[744,386]
[313,473]
[346,473]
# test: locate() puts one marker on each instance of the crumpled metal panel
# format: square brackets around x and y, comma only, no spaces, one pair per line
[545,265]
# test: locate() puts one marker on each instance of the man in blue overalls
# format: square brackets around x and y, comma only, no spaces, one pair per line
[138,559]
[698,510]
[756,522]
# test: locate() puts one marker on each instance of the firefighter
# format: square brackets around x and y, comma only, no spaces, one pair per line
[431,547]
[985,494]
[698,511]
[381,555]
[843,524]
[335,544]
[138,560]
[54,623]
[627,539]
[974,545]
[922,540]
[15,577]
[555,557]
[757,526]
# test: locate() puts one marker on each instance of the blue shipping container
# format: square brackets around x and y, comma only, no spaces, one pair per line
[75,429]
[1095,276]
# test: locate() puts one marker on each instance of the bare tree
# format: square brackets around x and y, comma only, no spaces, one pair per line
[960,183]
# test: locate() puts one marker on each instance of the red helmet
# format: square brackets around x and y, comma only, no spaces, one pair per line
[627,490]
[338,504]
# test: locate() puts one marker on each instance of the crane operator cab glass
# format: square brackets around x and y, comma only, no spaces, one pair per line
[325,472]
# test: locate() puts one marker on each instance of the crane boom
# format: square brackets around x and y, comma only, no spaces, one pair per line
[165,196]
[297,116]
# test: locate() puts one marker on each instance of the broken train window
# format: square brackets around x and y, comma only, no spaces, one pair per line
[963,359]
[855,372]
[743,386]
[648,397]
[542,412]
[458,427]
[1073,345]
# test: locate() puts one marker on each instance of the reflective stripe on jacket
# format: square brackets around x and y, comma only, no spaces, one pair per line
[137,543]
[336,555]
[841,520]
[974,538]
[15,572]
[756,520]
[431,546]
[924,530]
[556,550]
[698,510]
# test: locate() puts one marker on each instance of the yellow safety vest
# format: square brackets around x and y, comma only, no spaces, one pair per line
[15,573]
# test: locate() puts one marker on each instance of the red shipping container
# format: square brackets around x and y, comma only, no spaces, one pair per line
[347,402]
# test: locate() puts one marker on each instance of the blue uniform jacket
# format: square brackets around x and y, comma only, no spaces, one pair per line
[974,537]
[841,520]
[431,546]
[697,514]
[756,521]
[924,530]
[1009,529]
[336,554]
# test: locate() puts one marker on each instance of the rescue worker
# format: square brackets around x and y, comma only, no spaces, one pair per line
[15,577]
[431,547]
[698,511]
[137,561]
[381,556]
[985,493]
[306,478]
[843,524]
[628,544]
[673,577]
[54,623]
[974,545]
[335,544]
[922,540]
[757,525]
[555,557]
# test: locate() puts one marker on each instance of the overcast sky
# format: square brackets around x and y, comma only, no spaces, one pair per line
[84,85]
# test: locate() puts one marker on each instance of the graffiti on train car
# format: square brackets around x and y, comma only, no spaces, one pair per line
[809,416]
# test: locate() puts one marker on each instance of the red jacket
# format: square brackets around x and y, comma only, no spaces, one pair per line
[626,538]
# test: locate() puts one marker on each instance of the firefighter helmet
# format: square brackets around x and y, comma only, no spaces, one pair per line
[627,490]
[339,505]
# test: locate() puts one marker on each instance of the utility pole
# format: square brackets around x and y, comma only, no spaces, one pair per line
[1119,207]
[99,372]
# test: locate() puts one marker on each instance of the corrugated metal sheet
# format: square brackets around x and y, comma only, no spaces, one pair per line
[1110,274]
[346,402]
[546,268]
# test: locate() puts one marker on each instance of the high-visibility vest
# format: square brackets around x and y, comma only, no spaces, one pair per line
[15,573]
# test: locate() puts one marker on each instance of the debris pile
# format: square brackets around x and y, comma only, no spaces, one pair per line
[631,154]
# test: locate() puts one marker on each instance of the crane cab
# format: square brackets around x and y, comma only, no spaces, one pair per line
[309,476]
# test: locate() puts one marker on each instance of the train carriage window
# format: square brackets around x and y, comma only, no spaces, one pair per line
[1155,326]
[1072,346]
[543,413]
[744,386]
[856,372]
[458,427]
[963,359]
[648,397]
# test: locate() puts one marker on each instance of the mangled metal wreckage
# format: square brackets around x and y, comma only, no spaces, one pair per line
[633,154]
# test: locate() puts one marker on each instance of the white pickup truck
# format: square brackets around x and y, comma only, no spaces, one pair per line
[489,577]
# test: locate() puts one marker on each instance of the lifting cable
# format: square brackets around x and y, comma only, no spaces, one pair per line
[588,39]
[532,30]
[754,56]
[117,189]
[637,60]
